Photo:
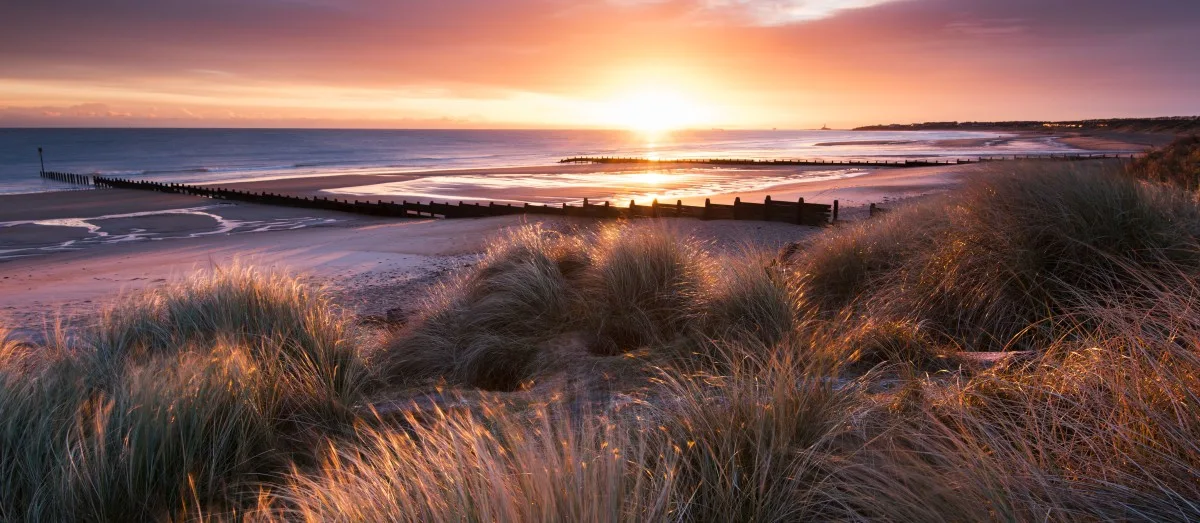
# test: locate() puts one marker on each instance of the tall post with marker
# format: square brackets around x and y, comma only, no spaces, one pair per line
[42,161]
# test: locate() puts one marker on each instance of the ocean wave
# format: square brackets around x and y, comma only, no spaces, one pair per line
[239,169]
[190,170]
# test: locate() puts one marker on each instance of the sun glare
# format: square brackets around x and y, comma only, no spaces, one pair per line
[654,178]
[655,112]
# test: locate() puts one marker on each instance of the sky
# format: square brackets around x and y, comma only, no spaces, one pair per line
[592,63]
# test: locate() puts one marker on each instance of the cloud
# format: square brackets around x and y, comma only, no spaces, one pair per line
[1010,26]
[782,12]
[774,62]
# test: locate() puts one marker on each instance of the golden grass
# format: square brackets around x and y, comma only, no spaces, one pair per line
[1176,164]
[824,387]
[192,392]
[1006,255]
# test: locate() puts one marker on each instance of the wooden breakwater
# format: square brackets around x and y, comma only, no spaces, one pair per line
[846,162]
[80,179]
[798,212]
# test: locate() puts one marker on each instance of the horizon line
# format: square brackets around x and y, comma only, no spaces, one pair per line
[597,129]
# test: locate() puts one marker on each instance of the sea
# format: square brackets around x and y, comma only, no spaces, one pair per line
[221,155]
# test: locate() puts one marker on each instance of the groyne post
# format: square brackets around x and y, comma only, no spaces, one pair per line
[42,161]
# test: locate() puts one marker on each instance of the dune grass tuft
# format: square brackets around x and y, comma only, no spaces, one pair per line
[484,328]
[751,297]
[195,391]
[643,287]
[1008,251]
[1176,164]
[872,343]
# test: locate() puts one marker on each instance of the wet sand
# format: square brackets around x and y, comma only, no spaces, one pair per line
[86,203]
[867,142]
[557,184]
[880,186]
[88,219]
[1116,141]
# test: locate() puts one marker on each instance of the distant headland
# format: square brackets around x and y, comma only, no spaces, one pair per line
[1164,125]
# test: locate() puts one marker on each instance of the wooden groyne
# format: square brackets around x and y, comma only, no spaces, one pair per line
[798,212]
[846,162]
[79,179]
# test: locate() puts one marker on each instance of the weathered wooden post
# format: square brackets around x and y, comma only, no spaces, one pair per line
[737,205]
[42,161]
[678,208]
[835,211]
[654,208]
[800,212]
[704,214]
[767,208]
[872,213]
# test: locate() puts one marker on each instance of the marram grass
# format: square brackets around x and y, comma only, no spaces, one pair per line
[828,386]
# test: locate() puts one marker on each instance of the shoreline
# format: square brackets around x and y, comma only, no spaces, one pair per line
[1091,140]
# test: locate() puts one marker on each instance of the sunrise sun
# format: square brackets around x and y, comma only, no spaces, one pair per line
[656,111]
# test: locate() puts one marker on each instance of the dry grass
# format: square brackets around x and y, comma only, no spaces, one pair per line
[189,393]
[752,298]
[643,287]
[484,328]
[823,388]
[1010,251]
[621,288]
[1176,164]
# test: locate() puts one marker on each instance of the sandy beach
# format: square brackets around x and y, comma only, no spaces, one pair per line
[77,249]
